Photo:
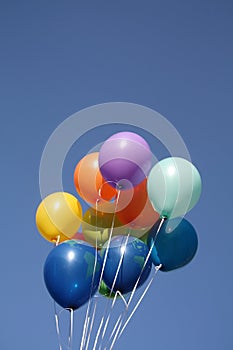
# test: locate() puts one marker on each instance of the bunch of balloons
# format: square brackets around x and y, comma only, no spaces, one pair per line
[134,220]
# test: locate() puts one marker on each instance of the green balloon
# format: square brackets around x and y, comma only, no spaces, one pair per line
[144,237]
[174,187]
[105,291]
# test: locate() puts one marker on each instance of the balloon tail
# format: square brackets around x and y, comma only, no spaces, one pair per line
[163,218]
[56,240]
[118,293]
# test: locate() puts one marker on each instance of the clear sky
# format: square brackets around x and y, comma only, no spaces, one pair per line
[58,57]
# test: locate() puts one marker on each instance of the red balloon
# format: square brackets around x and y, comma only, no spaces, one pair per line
[79,236]
[139,213]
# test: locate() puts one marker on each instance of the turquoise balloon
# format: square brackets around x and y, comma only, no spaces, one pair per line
[174,187]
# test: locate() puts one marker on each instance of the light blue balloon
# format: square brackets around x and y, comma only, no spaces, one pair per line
[174,187]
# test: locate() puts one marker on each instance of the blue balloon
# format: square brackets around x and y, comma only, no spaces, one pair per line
[70,274]
[175,245]
[134,256]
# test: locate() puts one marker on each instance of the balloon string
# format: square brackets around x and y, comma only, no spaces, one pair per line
[157,268]
[121,317]
[71,328]
[118,293]
[120,263]
[136,284]
[109,239]
[111,291]
[115,336]
[114,329]
[57,325]
[84,335]
[91,326]
[146,261]
[85,327]
[103,267]
[98,333]
[57,240]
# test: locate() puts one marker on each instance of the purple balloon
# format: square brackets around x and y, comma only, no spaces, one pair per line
[125,159]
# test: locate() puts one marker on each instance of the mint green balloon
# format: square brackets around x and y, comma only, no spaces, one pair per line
[174,187]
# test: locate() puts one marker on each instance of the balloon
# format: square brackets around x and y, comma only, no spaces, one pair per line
[134,254]
[79,236]
[89,182]
[70,274]
[105,291]
[144,238]
[125,159]
[97,226]
[174,187]
[175,246]
[139,213]
[58,216]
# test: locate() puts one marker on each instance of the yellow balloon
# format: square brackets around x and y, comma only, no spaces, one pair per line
[97,226]
[58,217]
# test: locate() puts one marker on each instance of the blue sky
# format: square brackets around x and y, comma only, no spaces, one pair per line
[175,57]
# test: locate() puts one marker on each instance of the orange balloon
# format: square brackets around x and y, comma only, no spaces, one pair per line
[139,213]
[89,182]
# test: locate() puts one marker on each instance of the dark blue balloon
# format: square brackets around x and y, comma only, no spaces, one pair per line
[134,256]
[68,273]
[175,245]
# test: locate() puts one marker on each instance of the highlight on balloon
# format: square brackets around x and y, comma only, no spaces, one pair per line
[133,227]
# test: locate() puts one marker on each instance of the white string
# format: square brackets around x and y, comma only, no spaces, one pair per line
[157,268]
[118,293]
[98,333]
[147,258]
[103,266]
[57,325]
[111,291]
[120,263]
[91,326]
[115,337]
[109,239]
[84,335]
[113,331]
[105,327]
[85,326]
[71,328]
[136,284]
